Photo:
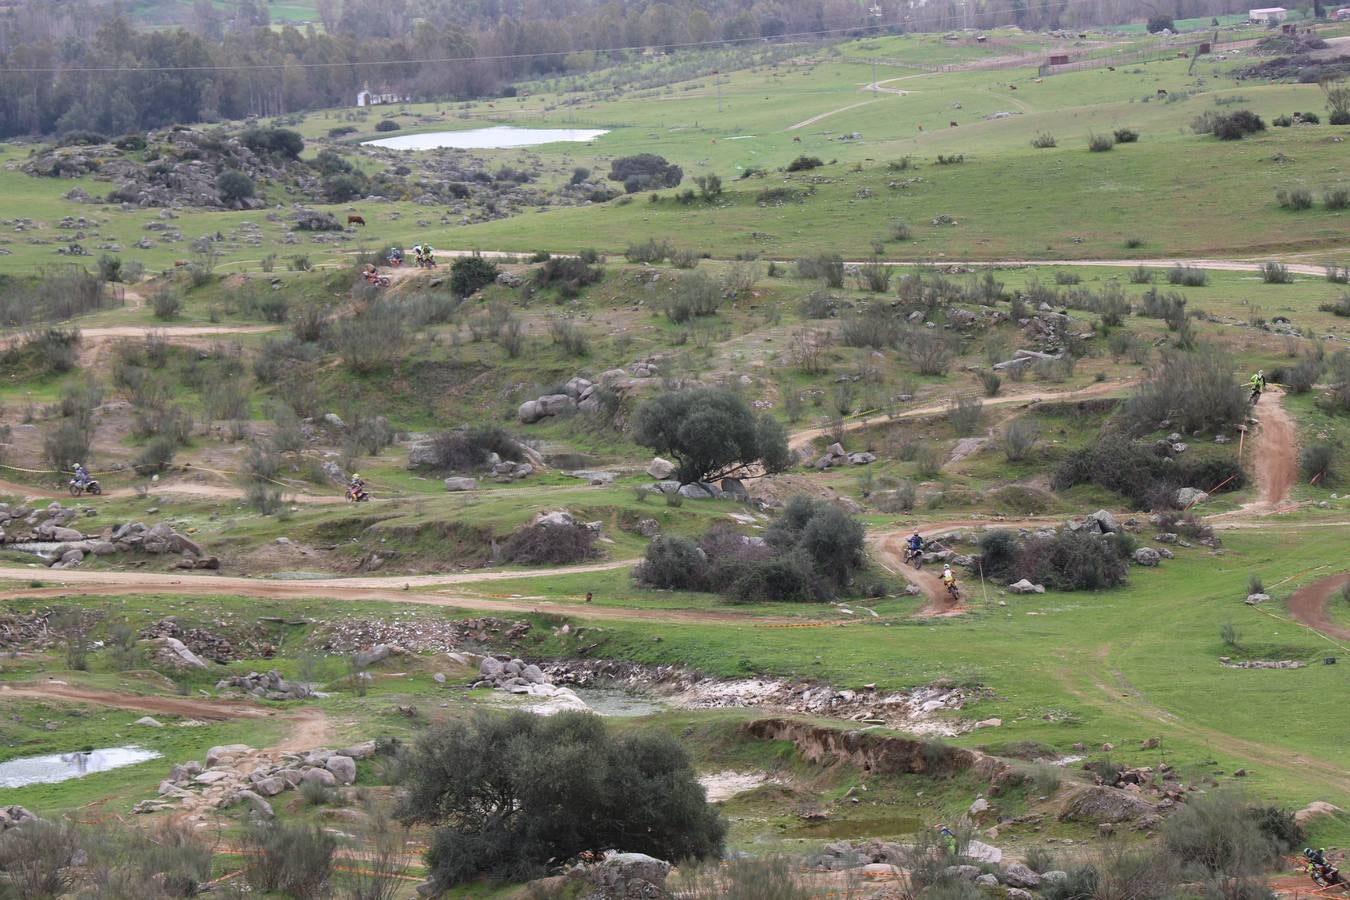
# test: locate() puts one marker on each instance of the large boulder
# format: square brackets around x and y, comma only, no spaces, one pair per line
[554,404]
[256,803]
[218,754]
[530,412]
[1105,521]
[182,654]
[342,767]
[321,776]
[1103,805]
[660,469]
[457,484]
[1026,587]
[1019,875]
[1189,496]
[1147,556]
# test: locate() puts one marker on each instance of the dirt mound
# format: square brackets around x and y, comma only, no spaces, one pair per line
[209,645]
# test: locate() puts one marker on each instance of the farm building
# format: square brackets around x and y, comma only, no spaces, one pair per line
[1268,15]
[367,97]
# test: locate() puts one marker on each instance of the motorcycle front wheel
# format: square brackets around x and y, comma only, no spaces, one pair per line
[76,490]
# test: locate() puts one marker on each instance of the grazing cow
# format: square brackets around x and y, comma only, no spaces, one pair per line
[179,263]
[355,220]
[796,140]
[953,124]
[1110,68]
[921,126]
[1162,92]
[1012,87]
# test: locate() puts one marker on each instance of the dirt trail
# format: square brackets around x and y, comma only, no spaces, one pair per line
[890,552]
[390,590]
[1308,605]
[805,437]
[1110,689]
[215,710]
[1274,449]
[804,123]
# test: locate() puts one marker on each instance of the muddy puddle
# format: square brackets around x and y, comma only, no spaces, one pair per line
[879,827]
[613,702]
[54,767]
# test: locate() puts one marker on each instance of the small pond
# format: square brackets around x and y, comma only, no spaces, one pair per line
[617,703]
[497,137]
[881,827]
[56,767]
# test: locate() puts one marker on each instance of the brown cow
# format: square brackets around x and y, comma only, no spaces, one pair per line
[953,124]
[355,220]
[796,140]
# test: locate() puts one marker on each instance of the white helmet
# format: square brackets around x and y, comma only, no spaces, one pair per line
[946,567]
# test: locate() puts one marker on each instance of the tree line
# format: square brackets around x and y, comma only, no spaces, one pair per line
[75,65]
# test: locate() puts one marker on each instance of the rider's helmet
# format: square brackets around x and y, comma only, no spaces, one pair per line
[1261,372]
[355,476]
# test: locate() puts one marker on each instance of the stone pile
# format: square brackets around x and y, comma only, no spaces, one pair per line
[47,533]
[836,455]
[269,686]
[515,676]
[206,644]
[1262,663]
[236,773]
[415,634]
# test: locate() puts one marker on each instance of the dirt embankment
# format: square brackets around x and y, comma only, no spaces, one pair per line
[216,710]
[876,753]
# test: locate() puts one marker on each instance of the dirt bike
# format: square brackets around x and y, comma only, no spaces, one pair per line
[1256,395]
[357,495]
[914,557]
[394,261]
[1325,875]
[92,486]
[377,279]
[427,262]
[954,591]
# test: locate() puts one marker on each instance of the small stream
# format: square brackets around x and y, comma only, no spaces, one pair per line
[54,767]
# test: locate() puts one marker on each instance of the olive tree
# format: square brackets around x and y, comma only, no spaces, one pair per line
[508,794]
[710,433]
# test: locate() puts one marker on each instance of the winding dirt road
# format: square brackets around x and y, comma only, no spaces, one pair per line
[803,438]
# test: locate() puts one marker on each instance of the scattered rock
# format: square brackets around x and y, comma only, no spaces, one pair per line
[1147,556]
[1026,587]
[149,722]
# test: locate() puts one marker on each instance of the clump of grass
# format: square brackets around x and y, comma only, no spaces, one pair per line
[1276,273]
[1294,198]
[1100,143]
[1126,136]
[1043,141]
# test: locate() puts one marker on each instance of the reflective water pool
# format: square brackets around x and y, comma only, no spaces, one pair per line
[55,767]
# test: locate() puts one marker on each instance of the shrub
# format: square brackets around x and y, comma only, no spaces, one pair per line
[709,187]
[875,276]
[1043,141]
[900,231]
[804,163]
[555,545]
[1220,835]
[511,794]
[343,188]
[470,274]
[1160,22]
[1019,440]
[1143,477]
[1196,390]
[1294,198]
[1302,376]
[928,351]
[827,266]
[1235,125]
[567,335]
[67,442]
[166,303]
[672,562]
[1316,461]
[1189,276]
[1070,561]
[990,382]
[1067,278]
[684,259]
[471,448]
[36,859]
[1336,198]
[1276,273]
[1340,307]
[650,251]
[386,125]
[832,541]
[1100,143]
[371,340]
[928,460]
[1141,275]
[645,172]
[965,415]
[233,185]
[274,141]
[296,860]
[156,456]
[1126,136]
[998,550]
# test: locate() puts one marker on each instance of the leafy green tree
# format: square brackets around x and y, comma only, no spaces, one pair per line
[233,185]
[830,538]
[512,793]
[710,433]
[470,274]
[342,188]
[644,172]
[1160,22]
